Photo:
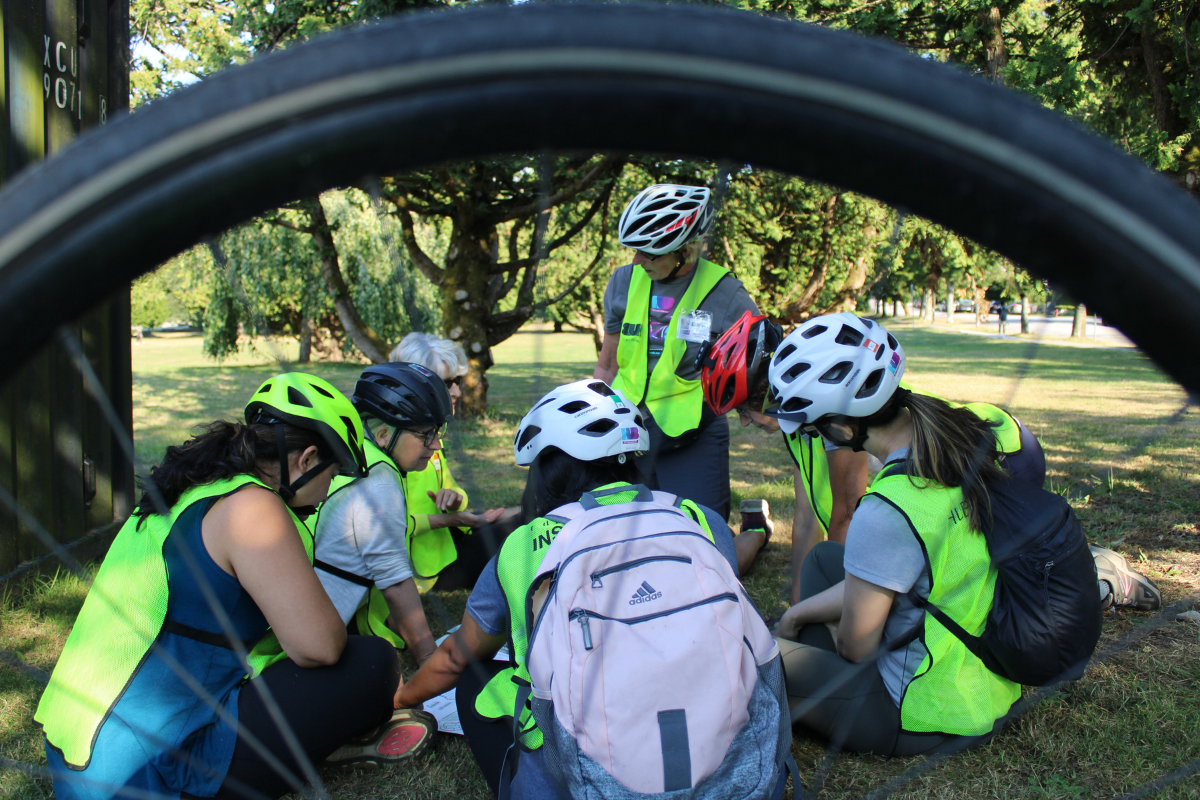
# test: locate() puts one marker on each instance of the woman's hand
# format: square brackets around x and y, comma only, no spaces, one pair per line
[446,499]
[396,699]
[789,625]
[466,519]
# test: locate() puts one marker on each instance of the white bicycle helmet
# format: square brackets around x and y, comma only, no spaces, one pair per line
[587,420]
[664,217]
[833,364]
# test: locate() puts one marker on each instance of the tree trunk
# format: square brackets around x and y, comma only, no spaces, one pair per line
[997,56]
[369,343]
[1079,324]
[305,341]
[949,301]
[465,314]
[1024,313]
[1166,111]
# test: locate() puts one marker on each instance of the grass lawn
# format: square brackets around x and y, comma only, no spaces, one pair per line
[1120,442]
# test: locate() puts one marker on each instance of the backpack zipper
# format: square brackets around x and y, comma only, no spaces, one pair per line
[1046,576]
[583,615]
[598,574]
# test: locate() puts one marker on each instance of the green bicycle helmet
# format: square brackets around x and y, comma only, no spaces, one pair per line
[309,402]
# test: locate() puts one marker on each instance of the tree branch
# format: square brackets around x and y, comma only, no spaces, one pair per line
[606,164]
[408,234]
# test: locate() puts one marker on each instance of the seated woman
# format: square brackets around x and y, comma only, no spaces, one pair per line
[565,463]
[447,544]
[150,695]
[917,530]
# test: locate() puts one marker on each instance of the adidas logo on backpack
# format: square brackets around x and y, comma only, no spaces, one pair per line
[684,695]
[644,594]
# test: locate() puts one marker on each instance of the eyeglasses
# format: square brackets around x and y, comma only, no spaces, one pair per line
[427,437]
[452,382]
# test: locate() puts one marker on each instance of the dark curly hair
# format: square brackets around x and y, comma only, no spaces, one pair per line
[221,450]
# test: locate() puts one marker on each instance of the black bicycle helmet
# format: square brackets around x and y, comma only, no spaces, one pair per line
[403,396]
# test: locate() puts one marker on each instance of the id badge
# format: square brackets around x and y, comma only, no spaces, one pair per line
[694,326]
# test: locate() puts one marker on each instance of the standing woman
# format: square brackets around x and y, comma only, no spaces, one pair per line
[149,696]
[658,312]
[917,530]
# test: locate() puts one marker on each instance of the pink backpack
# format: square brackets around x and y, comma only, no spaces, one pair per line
[652,670]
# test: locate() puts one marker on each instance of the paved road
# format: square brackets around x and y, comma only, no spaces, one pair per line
[1053,327]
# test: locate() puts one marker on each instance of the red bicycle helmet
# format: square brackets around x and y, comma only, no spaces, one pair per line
[738,361]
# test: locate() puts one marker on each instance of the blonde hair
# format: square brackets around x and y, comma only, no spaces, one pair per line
[432,352]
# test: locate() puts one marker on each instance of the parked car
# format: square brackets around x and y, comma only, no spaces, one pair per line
[965,304]
[1015,308]
[941,306]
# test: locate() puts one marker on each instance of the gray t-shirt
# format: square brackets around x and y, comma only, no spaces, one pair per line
[882,549]
[726,302]
[361,529]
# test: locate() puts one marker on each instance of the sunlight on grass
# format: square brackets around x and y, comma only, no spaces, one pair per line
[1102,416]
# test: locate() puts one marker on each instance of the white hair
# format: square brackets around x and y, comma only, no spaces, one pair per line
[432,352]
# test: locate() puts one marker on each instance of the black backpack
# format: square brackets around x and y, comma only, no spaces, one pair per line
[1046,616]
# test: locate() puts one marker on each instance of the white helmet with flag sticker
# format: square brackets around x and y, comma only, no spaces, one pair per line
[833,364]
[664,217]
[587,420]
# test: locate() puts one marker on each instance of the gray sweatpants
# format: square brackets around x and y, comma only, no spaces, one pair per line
[844,702]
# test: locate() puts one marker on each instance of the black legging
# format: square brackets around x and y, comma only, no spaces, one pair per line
[858,716]
[324,707]
[474,549]
[489,740]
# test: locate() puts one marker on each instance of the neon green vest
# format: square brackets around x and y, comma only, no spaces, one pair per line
[431,551]
[371,617]
[808,454]
[517,565]
[1008,432]
[674,403]
[952,692]
[121,619]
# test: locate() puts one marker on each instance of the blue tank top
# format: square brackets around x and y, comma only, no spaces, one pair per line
[161,736]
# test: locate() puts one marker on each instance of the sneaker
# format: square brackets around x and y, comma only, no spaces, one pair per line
[756,516]
[406,735]
[1129,587]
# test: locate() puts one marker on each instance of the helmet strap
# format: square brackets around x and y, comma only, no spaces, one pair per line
[288,490]
[678,266]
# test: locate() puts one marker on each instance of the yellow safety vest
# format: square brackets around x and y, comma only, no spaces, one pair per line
[1005,427]
[676,404]
[517,566]
[120,621]
[952,691]
[808,454]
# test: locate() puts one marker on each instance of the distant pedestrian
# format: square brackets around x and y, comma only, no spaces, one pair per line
[1003,314]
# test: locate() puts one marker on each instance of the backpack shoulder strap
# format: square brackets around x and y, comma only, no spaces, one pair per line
[591,499]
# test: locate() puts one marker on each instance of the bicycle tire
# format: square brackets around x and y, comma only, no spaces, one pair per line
[824,104]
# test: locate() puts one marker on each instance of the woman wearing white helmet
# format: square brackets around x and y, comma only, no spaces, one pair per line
[658,312]
[917,530]
[580,438]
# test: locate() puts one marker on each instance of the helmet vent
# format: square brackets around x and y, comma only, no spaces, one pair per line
[784,353]
[878,353]
[544,402]
[574,406]
[351,433]
[322,391]
[266,387]
[871,384]
[622,410]
[815,330]
[892,343]
[838,373]
[598,428]
[297,398]
[795,371]
[795,404]
[848,335]
[638,420]
[727,395]
[601,388]
[527,435]
[869,323]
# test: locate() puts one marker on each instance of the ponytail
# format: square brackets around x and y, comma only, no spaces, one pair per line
[953,447]
[222,450]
